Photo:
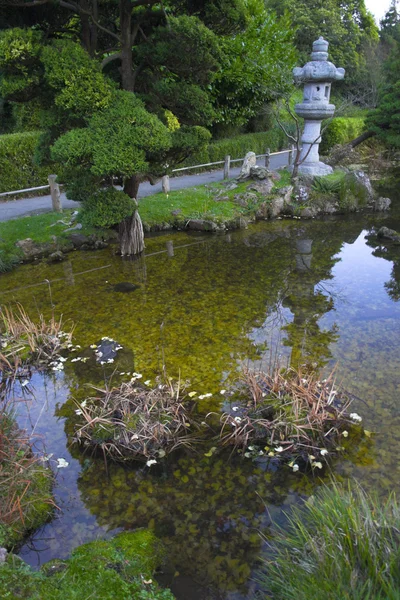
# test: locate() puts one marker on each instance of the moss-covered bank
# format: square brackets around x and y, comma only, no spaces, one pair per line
[121,568]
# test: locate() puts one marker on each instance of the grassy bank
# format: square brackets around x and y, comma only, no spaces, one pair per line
[342,545]
[120,568]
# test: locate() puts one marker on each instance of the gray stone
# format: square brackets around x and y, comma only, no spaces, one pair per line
[231,186]
[76,227]
[245,198]
[381,204]
[262,187]
[57,256]
[260,173]
[286,193]
[263,211]
[79,239]
[362,180]
[100,244]
[276,207]
[125,287]
[388,234]
[249,161]
[202,225]
[308,213]
[32,250]
[3,555]
[176,212]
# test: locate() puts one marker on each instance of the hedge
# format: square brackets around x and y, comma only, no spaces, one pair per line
[340,131]
[17,167]
[237,147]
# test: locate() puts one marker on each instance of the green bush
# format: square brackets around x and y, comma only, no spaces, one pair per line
[17,167]
[106,208]
[342,544]
[340,131]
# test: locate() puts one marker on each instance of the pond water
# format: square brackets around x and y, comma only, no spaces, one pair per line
[203,307]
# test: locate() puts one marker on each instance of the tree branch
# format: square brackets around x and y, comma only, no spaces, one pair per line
[110,58]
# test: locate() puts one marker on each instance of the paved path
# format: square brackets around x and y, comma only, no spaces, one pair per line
[33,206]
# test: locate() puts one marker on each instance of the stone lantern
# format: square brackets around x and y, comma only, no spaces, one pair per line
[317,77]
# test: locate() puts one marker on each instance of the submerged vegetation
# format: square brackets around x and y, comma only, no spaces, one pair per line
[341,544]
[119,568]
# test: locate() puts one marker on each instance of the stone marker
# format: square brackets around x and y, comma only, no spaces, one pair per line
[317,77]
[249,161]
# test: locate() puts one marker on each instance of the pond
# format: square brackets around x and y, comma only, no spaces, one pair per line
[201,308]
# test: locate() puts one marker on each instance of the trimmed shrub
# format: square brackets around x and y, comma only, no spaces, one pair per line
[17,167]
[340,131]
[106,208]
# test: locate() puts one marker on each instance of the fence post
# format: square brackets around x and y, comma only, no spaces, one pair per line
[165,184]
[55,193]
[227,166]
[267,158]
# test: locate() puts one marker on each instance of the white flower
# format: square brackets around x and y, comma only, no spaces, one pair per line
[251,448]
[235,408]
[222,392]
[161,453]
[271,453]
[110,360]
[279,449]
[237,419]
[46,457]
[25,382]
[355,417]
[324,452]
[317,464]
[78,411]
[247,454]
[150,462]
[62,359]
[261,453]
[295,467]
[93,345]
[62,463]
[147,382]
[345,433]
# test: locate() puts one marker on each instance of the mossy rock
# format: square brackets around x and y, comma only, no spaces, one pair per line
[119,568]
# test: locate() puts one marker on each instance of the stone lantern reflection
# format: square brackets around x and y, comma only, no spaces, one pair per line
[317,77]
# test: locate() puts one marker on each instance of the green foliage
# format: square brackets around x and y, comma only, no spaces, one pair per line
[256,66]
[341,544]
[106,207]
[384,120]
[118,568]
[77,80]
[17,166]
[19,63]
[117,141]
[329,184]
[340,131]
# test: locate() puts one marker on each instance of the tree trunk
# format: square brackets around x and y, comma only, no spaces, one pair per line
[361,138]
[131,235]
[125,14]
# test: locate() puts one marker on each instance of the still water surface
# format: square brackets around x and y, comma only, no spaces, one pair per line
[205,306]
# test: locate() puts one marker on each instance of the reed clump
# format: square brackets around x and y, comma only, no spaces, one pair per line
[287,413]
[25,343]
[343,543]
[135,422]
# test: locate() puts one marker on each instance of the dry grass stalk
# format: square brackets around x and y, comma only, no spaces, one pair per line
[294,410]
[24,342]
[133,422]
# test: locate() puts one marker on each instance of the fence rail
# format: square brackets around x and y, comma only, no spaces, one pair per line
[226,162]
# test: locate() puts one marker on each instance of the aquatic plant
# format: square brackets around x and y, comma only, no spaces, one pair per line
[289,412]
[25,485]
[133,421]
[340,544]
[25,342]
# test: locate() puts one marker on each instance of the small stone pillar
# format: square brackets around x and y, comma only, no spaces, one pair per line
[317,77]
